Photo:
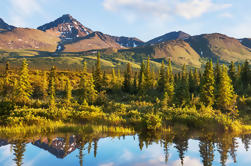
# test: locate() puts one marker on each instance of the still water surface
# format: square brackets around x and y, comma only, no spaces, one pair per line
[136,150]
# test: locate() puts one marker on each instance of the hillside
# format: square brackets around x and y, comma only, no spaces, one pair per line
[95,40]
[24,38]
[219,46]
[178,51]
[169,36]
[246,42]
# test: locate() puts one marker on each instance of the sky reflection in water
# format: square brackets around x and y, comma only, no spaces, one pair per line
[126,151]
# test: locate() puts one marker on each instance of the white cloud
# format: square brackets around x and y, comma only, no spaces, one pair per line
[127,155]
[107,164]
[164,9]
[20,10]
[188,161]
[226,15]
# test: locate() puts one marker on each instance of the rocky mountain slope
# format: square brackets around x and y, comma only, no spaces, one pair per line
[127,41]
[66,27]
[4,26]
[93,41]
[219,46]
[246,42]
[24,38]
[169,36]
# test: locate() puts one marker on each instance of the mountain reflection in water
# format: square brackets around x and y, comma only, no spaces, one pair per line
[180,148]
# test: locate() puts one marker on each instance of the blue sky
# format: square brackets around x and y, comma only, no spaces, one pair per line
[144,19]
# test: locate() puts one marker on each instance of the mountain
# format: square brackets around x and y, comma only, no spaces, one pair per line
[4,26]
[25,38]
[169,36]
[128,42]
[178,51]
[73,32]
[246,42]
[219,46]
[93,41]
[59,147]
[66,27]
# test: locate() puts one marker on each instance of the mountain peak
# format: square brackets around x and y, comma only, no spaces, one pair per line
[5,26]
[67,28]
[175,35]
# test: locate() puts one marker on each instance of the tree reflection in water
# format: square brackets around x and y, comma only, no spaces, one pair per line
[62,144]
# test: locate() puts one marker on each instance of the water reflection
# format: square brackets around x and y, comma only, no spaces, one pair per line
[172,148]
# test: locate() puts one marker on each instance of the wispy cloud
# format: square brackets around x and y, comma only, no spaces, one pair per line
[164,9]
[20,10]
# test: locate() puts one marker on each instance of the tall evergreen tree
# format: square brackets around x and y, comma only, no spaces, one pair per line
[148,76]
[196,81]
[245,71]
[207,88]
[44,85]
[162,77]
[182,95]
[6,86]
[105,80]
[135,83]
[232,73]
[87,87]
[24,89]
[98,74]
[68,90]
[52,90]
[226,98]
[127,84]
[142,75]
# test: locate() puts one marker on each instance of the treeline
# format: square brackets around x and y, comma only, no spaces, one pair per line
[216,86]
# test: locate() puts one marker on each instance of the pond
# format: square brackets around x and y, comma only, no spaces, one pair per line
[141,149]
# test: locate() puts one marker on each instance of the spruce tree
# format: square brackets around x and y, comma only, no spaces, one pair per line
[196,81]
[182,95]
[6,88]
[232,73]
[127,84]
[162,77]
[52,81]
[142,74]
[98,74]
[148,77]
[68,90]
[207,88]
[105,80]
[245,75]
[226,98]
[169,83]
[191,80]
[24,89]
[44,85]
[52,91]
[114,78]
[87,88]
[135,83]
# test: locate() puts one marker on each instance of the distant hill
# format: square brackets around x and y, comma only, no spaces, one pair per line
[24,38]
[219,46]
[178,51]
[246,42]
[169,36]
[127,41]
